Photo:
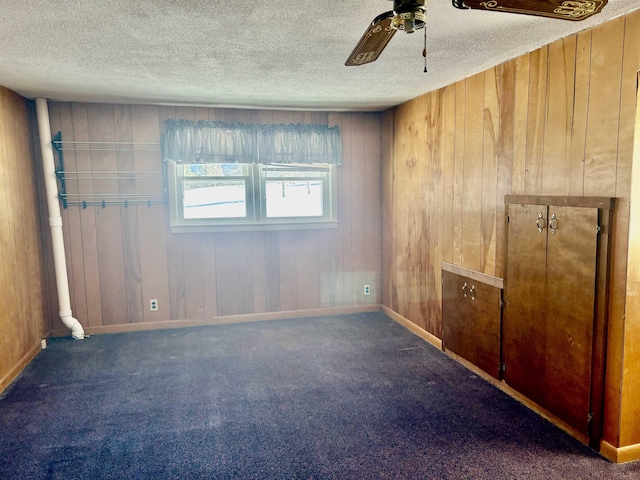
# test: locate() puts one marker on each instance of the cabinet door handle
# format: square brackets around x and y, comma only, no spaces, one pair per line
[540,223]
[553,224]
[464,289]
[472,292]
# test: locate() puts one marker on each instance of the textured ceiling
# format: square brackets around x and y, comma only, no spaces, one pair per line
[269,54]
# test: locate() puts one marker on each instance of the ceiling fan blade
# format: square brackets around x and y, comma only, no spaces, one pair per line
[564,9]
[373,41]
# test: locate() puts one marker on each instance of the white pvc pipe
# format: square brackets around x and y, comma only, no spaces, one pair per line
[55,220]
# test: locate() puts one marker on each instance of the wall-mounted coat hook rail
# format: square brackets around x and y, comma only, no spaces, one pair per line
[105,203]
[104,199]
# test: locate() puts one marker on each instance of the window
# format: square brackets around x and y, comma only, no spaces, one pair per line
[242,196]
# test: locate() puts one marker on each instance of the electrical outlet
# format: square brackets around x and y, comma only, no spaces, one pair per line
[153,304]
[367,289]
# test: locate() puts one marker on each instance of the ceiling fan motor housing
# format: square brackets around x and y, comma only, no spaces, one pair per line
[409,15]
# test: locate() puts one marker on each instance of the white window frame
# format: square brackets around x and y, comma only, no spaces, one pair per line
[255,178]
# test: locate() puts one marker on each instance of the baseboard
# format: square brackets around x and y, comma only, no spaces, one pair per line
[19,367]
[629,453]
[224,320]
[421,332]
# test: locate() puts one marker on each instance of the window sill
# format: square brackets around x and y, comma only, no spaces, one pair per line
[257,227]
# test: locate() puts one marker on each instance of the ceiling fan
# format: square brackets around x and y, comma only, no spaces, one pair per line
[410,15]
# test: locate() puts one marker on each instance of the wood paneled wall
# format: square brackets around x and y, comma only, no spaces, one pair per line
[556,121]
[22,287]
[119,258]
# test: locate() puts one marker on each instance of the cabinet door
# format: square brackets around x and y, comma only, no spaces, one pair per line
[549,315]
[569,303]
[471,321]
[523,346]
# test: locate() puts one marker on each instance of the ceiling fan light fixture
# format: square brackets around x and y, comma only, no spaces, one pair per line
[409,15]
[409,22]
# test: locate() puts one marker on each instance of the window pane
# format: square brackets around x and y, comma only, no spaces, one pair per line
[294,198]
[215,199]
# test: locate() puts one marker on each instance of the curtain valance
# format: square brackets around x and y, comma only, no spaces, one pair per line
[219,142]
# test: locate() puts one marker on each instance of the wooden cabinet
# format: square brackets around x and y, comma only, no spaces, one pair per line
[544,334]
[554,324]
[471,310]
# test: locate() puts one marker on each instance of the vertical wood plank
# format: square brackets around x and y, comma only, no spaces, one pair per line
[26,239]
[520,115]
[209,282]
[259,272]
[506,105]
[399,294]
[87,220]
[307,270]
[17,230]
[387,204]
[357,192]
[272,271]
[559,111]
[581,87]
[415,170]
[129,219]
[151,220]
[449,172]
[227,269]
[472,197]
[288,270]
[372,207]
[436,196]
[12,315]
[346,211]
[491,126]
[6,304]
[101,128]
[245,272]
[535,121]
[601,146]
[458,182]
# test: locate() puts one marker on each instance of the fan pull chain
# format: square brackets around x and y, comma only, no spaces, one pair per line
[424,50]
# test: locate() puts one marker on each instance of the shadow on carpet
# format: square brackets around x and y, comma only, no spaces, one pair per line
[355,396]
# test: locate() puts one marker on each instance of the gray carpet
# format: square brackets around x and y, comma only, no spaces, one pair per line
[356,396]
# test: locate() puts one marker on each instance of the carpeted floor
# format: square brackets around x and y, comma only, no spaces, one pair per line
[356,396]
